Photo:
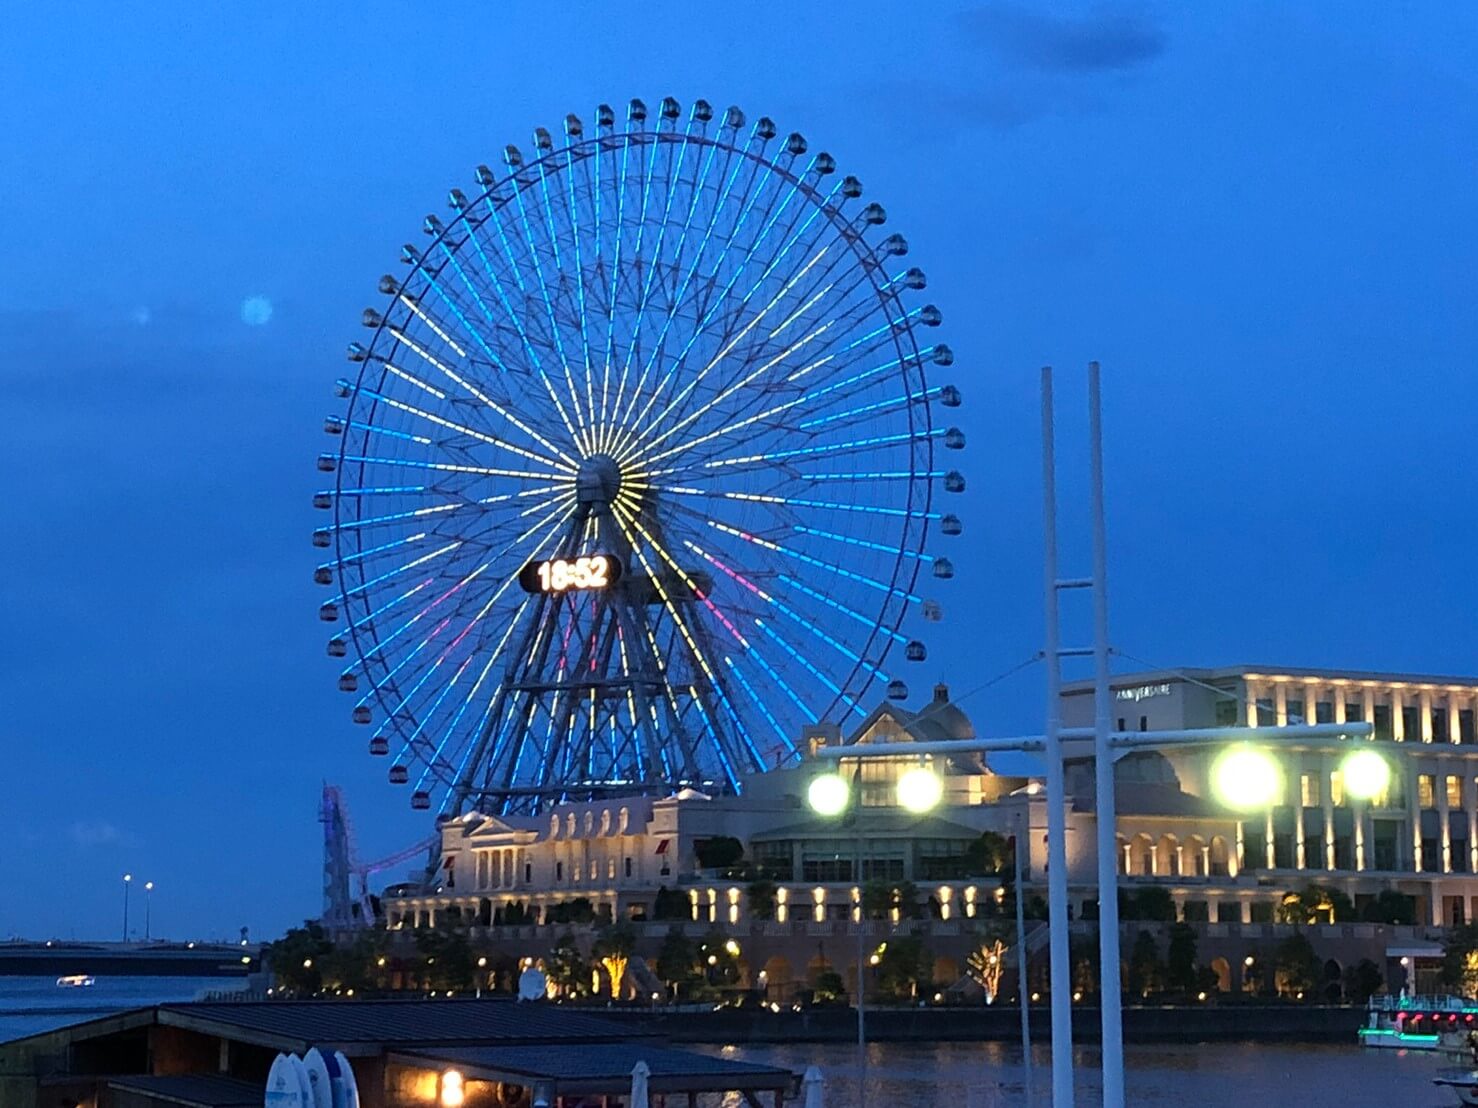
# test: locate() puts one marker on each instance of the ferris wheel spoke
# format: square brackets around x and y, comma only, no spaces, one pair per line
[554,327]
[771,215]
[673,178]
[514,317]
[809,626]
[452,467]
[757,169]
[583,309]
[677,621]
[502,410]
[461,428]
[451,728]
[414,563]
[694,197]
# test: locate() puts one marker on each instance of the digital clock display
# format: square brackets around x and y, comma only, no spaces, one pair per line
[554,575]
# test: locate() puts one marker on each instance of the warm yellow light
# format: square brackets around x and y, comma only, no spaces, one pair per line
[732,947]
[828,794]
[920,789]
[307,963]
[453,1092]
[1366,774]
[1246,779]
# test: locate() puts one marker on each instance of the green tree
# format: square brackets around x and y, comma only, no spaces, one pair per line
[354,966]
[1362,981]
[723,852]
[612,949]
[989,855]
[719,958]
[1389,906]
[578,909]
[1296,965]
[1151,904]
[1146,972]
[903,966]
[296,959]
[830,987]
[759,896]
[1460,959]
[677,961]
[671,904]
[446,958]
[1315,904]
[567,968]
[1180,959]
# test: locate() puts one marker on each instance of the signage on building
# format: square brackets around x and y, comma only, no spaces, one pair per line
[1142,692]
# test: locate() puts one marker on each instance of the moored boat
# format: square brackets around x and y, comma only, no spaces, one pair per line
[75,981]
[1464,1082]
[1405,1022]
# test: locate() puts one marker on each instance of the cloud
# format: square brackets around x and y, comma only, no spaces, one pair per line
[96,832]
[1100,41]
[256,311]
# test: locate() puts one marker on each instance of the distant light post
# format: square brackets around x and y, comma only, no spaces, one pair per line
[148,898]
[482,965]
[829,795]
[127,881]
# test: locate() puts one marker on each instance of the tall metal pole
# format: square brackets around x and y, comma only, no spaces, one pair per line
[1106,814]
[1022,825]
[127,881]
[148,907]
[861,962]
[1062,1016]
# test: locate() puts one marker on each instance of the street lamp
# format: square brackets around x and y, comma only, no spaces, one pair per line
[1366,774]
[148,898]
[828,794]
[920,790]
[482,965]
[1246,779]
[127,880]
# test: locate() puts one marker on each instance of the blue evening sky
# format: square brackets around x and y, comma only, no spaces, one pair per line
[1260,217]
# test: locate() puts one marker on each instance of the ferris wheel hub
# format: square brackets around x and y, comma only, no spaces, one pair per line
[598,480]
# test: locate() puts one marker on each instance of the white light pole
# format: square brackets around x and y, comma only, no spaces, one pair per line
[148,907]
[127,881]
[1058,969]
[1022,825]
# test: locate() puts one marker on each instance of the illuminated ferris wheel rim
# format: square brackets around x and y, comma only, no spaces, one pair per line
[606,457]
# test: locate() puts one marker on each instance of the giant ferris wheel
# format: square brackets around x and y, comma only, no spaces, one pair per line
[640,469]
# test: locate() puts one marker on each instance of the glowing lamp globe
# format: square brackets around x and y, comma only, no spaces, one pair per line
[1366,774]
[1246,779]
[920,789]
[828,794]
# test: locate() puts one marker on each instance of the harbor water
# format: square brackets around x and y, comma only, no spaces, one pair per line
[29,1005]
[1210,1075]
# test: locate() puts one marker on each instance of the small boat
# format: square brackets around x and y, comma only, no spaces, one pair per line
[1405,1022]
[75,981]
[1463,1082]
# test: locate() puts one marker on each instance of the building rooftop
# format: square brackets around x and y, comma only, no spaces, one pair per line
[191,1090]
[602,1068]
[1214,674]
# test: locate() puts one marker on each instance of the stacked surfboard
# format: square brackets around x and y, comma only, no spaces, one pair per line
[319,1079]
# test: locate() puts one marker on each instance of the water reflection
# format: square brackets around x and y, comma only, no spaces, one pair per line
[1212,1075]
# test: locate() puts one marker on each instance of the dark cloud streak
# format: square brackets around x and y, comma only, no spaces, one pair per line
[1101,41]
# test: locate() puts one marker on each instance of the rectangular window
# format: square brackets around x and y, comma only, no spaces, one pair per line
[775,860]
[1144,723]
[1262,911]
[1459,855]
[1229,911]
[1385,835]
[1411,723]
[1465,725]
[1426,794]
[1267,715]
[559,871]
[1324,712]
[942,859]
[1310,789]
[1454,791]
[1439,725]
[1355,711]
[1295,711]
[1337,789]
[1344,852]
[1226,713]
[1431,856]
[628,868]
[1121,723]
[528,873]
[1382,722]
